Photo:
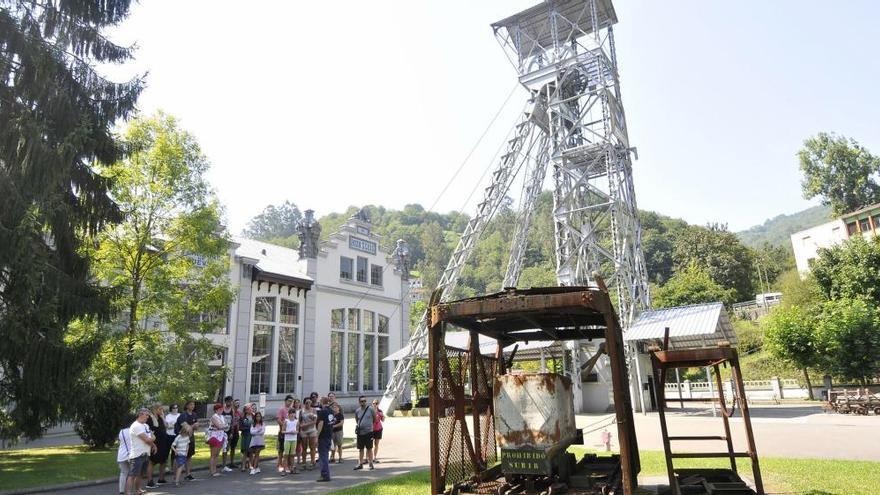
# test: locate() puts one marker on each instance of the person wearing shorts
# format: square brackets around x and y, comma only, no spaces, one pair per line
[281,417]
[258,442]
[364,417]
[141,446]
[291,429]
[336,437]
[189,417]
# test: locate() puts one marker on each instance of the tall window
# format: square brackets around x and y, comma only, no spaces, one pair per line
[274,349]
[362,269]
[375,275]
[865,225]
[337,349]
[261,357]
[346,268]
[383,366]
[354,369]
[851,228]
[287,335]
[336,361]
[357,348]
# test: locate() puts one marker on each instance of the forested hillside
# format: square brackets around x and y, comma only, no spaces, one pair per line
[686,263]
[777,230]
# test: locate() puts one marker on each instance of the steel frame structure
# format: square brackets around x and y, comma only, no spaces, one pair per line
[574,124]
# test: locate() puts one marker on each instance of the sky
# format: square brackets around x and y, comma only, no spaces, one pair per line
[333,104]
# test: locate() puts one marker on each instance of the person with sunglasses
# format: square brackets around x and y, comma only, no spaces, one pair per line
[364,417]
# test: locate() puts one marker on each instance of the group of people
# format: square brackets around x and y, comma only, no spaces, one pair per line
[316,425]
[152,439]
[157,437]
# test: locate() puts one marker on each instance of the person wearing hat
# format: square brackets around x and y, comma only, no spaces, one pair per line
[141,446]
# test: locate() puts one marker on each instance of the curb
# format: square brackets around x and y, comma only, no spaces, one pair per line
[87,483]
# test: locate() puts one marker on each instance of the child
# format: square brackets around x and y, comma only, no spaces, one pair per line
[291,430]
[258,442]
[180,447]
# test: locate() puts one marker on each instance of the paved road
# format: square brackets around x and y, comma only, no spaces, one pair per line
[802,431]
[404,448]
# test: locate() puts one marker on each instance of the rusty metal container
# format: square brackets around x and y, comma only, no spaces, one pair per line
[534,420]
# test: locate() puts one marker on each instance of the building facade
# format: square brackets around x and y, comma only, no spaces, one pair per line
[321,318]
[806,243]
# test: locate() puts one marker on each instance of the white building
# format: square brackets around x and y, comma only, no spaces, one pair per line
[806,243]
[321,318]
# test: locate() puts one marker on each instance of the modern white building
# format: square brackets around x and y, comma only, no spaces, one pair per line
[321,318]
[806,243]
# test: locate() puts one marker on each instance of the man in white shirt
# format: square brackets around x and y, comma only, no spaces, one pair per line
[141,446]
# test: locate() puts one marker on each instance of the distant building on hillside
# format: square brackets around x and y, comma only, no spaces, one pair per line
[416,290]
[806,243]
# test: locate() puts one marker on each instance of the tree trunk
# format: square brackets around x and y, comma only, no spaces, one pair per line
[809,385]
[132,329]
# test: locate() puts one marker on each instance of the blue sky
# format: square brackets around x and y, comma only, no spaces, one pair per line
[348,103]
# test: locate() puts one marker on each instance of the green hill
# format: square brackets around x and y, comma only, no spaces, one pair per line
[777,230]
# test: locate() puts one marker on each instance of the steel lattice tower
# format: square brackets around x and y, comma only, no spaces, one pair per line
[574,125]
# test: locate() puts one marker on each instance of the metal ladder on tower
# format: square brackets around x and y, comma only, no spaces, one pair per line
[520,145]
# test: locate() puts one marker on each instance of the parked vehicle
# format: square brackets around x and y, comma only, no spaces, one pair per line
[768,298]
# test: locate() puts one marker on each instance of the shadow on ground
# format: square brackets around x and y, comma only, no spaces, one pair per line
[754,411]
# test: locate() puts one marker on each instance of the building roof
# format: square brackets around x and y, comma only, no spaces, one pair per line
[860,211]
[697,325]
[277,261]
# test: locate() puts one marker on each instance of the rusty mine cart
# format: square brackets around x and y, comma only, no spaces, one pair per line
[477,407]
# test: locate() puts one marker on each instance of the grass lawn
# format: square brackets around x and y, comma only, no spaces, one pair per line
[796,476]
[39,467]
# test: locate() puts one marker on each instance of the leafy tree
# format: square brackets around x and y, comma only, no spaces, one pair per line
[770,262]
[659,235]
[729,263]
[850,270]
[436,254]
[839,170]
[848,336]
[797,291]
[692,285]
[790,335]
[55,123]
[275,223]
[168,261]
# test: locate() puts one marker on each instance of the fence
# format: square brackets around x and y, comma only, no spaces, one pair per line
[772,389]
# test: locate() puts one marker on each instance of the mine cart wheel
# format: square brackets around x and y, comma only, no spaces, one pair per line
[877,411]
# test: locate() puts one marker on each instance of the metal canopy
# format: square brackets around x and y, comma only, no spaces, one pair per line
[534,25]
[558,313]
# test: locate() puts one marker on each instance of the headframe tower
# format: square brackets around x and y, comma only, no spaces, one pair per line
[574,128]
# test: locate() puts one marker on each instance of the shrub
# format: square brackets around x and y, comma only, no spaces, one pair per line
[100,415]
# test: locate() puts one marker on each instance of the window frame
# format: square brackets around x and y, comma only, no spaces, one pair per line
[361,275]
[342,273]
[374,270]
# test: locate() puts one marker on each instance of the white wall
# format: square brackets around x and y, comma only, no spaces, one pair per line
[806,242]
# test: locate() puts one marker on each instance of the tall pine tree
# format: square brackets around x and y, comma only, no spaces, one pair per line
[56,114]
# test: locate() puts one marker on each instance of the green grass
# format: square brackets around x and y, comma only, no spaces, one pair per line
[791,476]
[39,467]
[404,484]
